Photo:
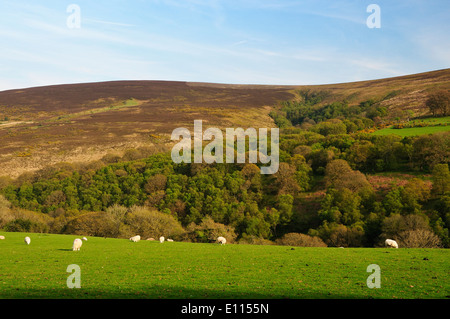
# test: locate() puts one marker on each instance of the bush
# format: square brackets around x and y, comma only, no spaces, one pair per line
[99,224]
[148,222]
[208,231]
[419,238]
[254,240]
[301,240]
[21,220]
[26,225]
[396,224]
[343,236]
[5,212]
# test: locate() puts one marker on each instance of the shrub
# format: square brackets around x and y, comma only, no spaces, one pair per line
[254,240]
[396,224]
[148,222]
[418,238]
[301,240]
[26,225]
[208,231]
[409,231]
[99,224]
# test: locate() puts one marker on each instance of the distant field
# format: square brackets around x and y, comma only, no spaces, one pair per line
[118,268]
[420,130]
[413,131]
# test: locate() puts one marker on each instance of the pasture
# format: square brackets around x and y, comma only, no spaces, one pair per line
[421,127]
[412,131]
[119,268]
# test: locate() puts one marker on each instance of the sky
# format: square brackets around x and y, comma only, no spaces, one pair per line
[290,42]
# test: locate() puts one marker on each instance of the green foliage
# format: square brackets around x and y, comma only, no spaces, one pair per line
[321,186]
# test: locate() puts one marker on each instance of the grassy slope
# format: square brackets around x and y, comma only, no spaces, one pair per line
[118,268]
[413,131]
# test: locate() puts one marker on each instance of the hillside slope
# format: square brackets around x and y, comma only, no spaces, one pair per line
[84,122]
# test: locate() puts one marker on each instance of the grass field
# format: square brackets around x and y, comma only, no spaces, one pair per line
[440,124]
[119,268]
[413,131]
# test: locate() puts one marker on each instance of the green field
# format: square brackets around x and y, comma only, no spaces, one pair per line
[413,131]
[439,124]
[119,268]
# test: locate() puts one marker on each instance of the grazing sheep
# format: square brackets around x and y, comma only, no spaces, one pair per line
[222,240]
[161,239]
[77,244]
[2,237]
[391,243]
[135,238]
[27,240]
[150,238]
[170,240]
[84,238]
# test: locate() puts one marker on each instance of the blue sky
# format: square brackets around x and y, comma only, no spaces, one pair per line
[222,41]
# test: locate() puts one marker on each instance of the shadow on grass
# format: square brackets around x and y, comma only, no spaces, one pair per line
[164,293]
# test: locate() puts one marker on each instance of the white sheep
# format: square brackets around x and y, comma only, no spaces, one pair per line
[2,237]
[135,238]
[391,243]
[171,240]
[221,240]
[77,244]
[84,238]
[161,239]
[27,240]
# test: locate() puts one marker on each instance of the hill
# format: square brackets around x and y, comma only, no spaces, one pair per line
[84,122]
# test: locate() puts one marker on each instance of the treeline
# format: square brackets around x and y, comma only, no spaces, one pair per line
[310,110]
[320,195]
[254,207]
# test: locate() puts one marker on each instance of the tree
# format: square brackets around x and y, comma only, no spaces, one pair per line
[431,149]
[346,236]
[149,222]
[396,226]
[341,206]
[284,180]
[439,102]
[441,179]
[330,127]
[284,206]
[392,202]
[339,175]
[359,153]
[252,175]
[319,158]
[302,173]
[418,238]
[416,191]
[100,224]
[155,183]
[208,231]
